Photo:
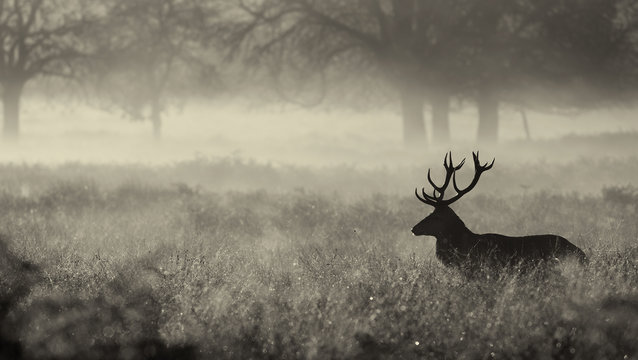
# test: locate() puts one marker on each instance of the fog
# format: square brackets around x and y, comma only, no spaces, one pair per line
[204,179]
[297,83]
[284,134]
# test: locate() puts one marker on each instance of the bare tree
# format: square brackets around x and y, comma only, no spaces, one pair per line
[151,51]
[495,49]
[595,44]
[434,50]
[549,54]
[406,42]
[37,38]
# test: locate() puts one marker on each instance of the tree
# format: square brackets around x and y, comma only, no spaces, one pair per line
[498,47]
[406,42]
[151,52]
[37,38]
[549,54]
[594,50]
[435,50]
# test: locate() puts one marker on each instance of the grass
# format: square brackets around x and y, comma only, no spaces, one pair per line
[127,268]
[586,176]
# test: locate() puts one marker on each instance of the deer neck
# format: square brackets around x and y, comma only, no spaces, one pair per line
[455,230]
[453,245]
[455,234]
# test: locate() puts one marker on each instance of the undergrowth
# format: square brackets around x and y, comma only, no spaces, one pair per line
[136,270]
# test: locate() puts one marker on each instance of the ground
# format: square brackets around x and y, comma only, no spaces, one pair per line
[133,261]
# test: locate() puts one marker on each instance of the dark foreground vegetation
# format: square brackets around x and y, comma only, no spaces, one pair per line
[91,268]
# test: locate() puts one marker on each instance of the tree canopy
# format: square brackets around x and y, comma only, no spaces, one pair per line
[143,55]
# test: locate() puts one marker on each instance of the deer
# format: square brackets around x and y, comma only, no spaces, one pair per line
[459,247]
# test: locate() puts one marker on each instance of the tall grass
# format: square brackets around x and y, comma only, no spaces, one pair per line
[584,176]
[118,269]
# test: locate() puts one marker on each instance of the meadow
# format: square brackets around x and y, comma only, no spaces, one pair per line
[228,258]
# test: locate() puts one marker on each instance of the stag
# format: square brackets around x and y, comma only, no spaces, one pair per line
[457,246]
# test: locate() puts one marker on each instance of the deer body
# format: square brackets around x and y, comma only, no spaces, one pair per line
[457,246]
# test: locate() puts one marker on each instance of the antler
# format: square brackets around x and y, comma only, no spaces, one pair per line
[450,173]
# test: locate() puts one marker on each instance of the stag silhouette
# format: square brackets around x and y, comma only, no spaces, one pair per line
[457,246]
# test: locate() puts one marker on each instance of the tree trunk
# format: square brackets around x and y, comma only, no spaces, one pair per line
[412,102]
[528,136]
[488,117]
[156,119]
[441,118]
[11,106]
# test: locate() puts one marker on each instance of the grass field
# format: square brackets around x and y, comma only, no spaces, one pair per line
[233,259]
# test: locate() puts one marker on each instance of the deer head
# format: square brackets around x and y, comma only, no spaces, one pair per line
[443,221]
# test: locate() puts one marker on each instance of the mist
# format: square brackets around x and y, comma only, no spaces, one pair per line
[150,83]
[310,179]
[280,134]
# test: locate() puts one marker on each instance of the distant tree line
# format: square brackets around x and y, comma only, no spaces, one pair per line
[142,55]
